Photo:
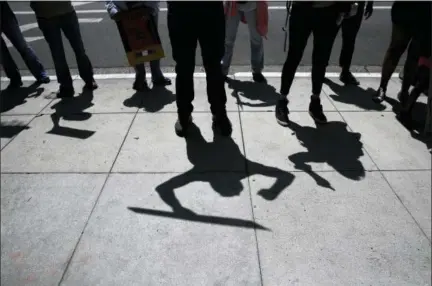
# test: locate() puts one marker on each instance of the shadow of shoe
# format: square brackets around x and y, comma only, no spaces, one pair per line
[10,98]
[258,94]
[157,99]
[354,95]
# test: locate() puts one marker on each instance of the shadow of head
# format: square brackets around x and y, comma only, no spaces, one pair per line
[354,95]
[10,98]
[153,100]
[333,144]
[253,91]
[229,186]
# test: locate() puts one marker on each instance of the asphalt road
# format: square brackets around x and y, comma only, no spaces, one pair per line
[105,49]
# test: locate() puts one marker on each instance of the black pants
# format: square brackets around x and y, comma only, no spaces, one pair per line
[321,22]
[350,28]
[189,23]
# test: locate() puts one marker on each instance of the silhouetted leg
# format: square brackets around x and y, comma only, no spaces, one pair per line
[71,29]
[300,28]
[399,41]
[166,191]
[184,39]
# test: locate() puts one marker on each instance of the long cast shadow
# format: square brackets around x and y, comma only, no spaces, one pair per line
[200,218]
[333,144]
[72,109]
[221,152]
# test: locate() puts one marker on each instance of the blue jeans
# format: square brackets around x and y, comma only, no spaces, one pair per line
[10,27]
[51,29]
[140,72]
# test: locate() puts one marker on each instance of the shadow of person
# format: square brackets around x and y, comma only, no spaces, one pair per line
[354,95]
[153,100]
[332,144]
[10,98]
[12,128]
[220,153]
[68,107]
[264,93]
[72,109]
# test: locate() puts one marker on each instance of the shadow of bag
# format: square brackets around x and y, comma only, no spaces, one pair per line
[140,37]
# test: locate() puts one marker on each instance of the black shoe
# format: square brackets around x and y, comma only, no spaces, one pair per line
[258,77]
[222,124]
[379,96]
[316,111]
[403,97]
[163,81]
[281,112]
[43,80]
[140,86]
[181,126]
[65,93]
[91,85]
[348,78]
[14,84]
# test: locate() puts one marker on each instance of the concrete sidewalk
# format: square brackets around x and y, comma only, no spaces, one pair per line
[348,203]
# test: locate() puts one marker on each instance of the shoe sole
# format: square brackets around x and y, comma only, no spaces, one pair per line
[282,123]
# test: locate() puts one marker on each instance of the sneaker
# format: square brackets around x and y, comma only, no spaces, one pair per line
[140,86]
[15,84]
[43,80]
[222,124]
[281,112]
[181,126]
[65,93]
[91,85]
[348,78]
[258,77]
[316,111]
[379,96]
[163,81]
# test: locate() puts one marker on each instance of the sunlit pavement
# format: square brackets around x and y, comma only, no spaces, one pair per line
[98,190]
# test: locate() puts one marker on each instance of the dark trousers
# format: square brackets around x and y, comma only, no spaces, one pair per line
[321,22]
[10,27]
[51,29]
[188,24]
[350,28]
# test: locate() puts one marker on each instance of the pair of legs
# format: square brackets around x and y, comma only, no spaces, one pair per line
[188,24]
[256,41]
[350,28]
[156,72]
[52,30]
[321,22]
[10,28]
[400,39]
